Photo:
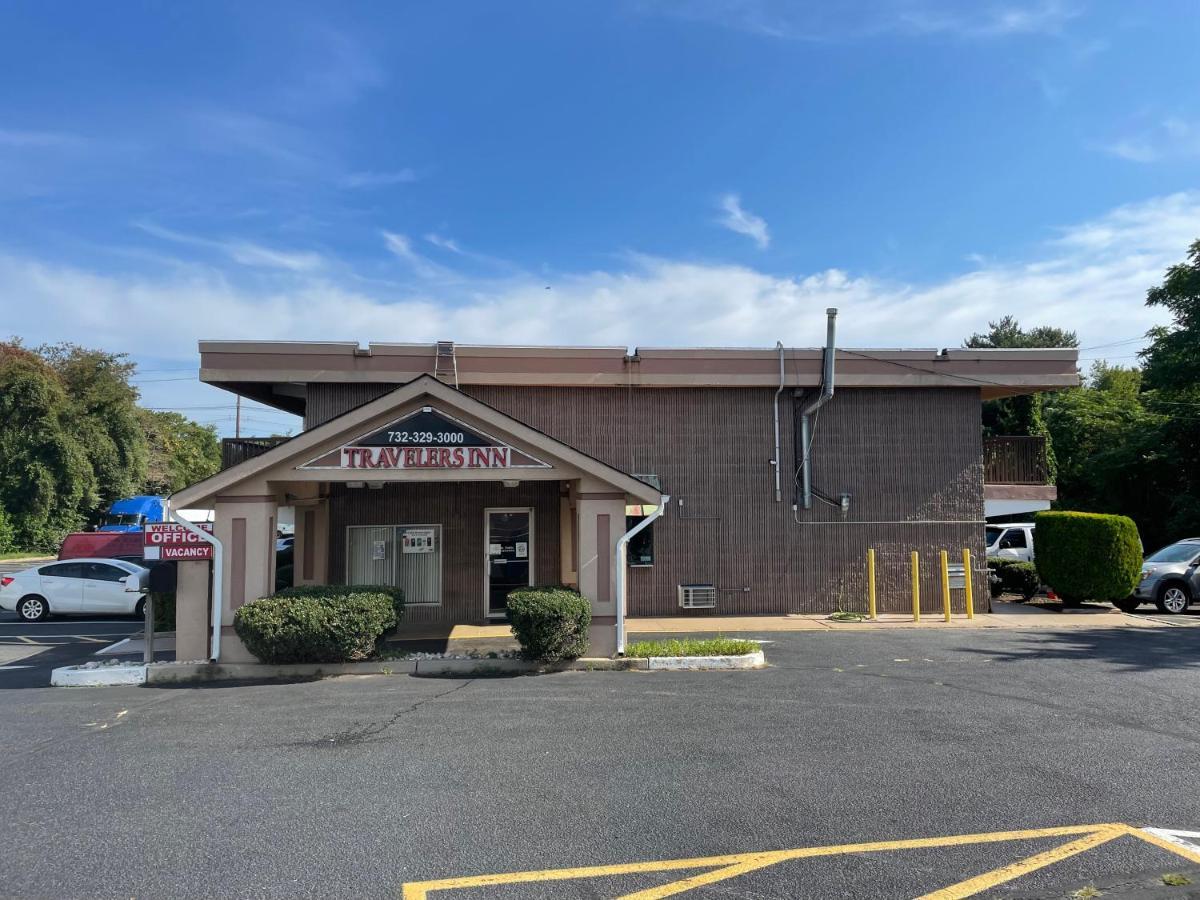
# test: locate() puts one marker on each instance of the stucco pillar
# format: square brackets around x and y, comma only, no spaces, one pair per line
[601,522]
[246,526]
[192,624]
[311,553]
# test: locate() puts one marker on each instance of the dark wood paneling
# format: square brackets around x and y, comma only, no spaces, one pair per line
[900,453]
[459,508]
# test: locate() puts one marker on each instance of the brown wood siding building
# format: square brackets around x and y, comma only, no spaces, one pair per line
[909,458]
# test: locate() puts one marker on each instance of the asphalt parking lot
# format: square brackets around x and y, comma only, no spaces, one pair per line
[30,650]
[888,746]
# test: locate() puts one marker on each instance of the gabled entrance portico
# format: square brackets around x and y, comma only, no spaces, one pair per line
[426,488]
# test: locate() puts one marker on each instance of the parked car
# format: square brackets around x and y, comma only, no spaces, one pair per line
[1170,579]
[73,587]
[1013,540]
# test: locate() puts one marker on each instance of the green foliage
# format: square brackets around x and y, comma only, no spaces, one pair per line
[1087,556]
[1013,576]
[337,624]
[325,590]
[7,534]
[550,623]
[719,646]
[47,485]
[1020,415]
[180,451]
[1111,456]
[102,410]
[164,611]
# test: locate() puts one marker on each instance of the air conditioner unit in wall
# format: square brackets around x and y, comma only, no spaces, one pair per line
[697,596]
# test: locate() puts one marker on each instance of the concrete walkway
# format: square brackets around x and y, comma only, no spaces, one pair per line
[1004,615]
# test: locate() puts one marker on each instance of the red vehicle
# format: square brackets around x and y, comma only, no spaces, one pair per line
[125,545]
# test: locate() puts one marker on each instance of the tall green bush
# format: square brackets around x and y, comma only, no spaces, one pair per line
[550,623]
[341,625]
[1087,556]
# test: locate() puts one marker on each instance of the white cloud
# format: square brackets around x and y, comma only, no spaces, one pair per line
[1091,277]
[40,140]
[1171,139]
[246,253]
[862,19]
[743,221]
[401,247]
[444,243]
[377,179]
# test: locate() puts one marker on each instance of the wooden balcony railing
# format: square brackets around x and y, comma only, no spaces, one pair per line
[1015,460]
[237,450]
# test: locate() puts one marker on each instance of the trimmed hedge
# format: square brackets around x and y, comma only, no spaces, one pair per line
[551,623]
[324,624]
[164,611]
[1087,556]
[327,590]
[1013,576]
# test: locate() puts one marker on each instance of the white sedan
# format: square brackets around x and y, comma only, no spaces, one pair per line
[73,587]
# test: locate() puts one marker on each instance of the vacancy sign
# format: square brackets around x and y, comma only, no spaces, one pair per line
[166,540]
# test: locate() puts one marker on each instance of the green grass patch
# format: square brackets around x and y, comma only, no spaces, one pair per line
[1175,879]
[845,615]
[25,554]
[695,647]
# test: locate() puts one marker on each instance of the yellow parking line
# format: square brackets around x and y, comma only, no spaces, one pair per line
[980,883]
[732,865]
[1154,839]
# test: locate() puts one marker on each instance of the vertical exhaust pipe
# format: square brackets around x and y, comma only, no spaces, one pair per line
[810,406]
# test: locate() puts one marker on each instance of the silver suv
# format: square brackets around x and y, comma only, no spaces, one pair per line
[1170,578]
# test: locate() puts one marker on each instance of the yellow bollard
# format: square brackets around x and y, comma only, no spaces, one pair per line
[871,584]
[945,587]
[967,583]
[916,586]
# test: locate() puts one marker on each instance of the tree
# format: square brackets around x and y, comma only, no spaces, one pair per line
[181,452]
[1022,414]
[1110,456]
[47,485]
[1172,379]
[102,405]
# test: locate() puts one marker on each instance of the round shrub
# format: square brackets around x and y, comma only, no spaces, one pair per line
[551,623]
[327,628]
[1013,576]
[1087,556]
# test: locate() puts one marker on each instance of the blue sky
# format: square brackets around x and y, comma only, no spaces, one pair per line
[630,172]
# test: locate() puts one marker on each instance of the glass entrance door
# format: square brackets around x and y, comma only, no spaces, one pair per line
[509,551]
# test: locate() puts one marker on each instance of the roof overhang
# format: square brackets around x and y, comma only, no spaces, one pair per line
[272,372]
[304,458]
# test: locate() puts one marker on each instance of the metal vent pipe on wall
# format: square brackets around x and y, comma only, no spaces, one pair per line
[810,406]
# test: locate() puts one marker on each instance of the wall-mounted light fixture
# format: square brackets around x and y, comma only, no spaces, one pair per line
[356,484]
[510,482]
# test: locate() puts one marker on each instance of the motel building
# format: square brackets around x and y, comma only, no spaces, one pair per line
[462,472]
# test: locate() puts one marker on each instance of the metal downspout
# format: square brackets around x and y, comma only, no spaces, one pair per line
[622,541]
[811,406]
[775,461]
[218,576]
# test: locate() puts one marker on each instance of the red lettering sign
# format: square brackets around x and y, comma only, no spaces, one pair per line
[425,457]
[166,540]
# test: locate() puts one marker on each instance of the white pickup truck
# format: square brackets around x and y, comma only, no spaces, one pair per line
[1011,539]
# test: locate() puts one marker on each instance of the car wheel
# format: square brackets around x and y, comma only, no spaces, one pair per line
[33,608]
[1173,599]
[1129,604]
[140,609]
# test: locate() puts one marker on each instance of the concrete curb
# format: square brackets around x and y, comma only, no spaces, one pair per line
[103,676]
[168,673]
[746,661]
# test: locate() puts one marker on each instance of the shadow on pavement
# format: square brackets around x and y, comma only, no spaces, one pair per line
[1141,650]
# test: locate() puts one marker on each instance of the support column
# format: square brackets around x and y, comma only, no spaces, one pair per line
[311,554]
[601,522]
[245,525]
[192,596]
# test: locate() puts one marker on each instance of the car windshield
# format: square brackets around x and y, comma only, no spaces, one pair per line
[122,519]
[1175,553]
[993,535]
